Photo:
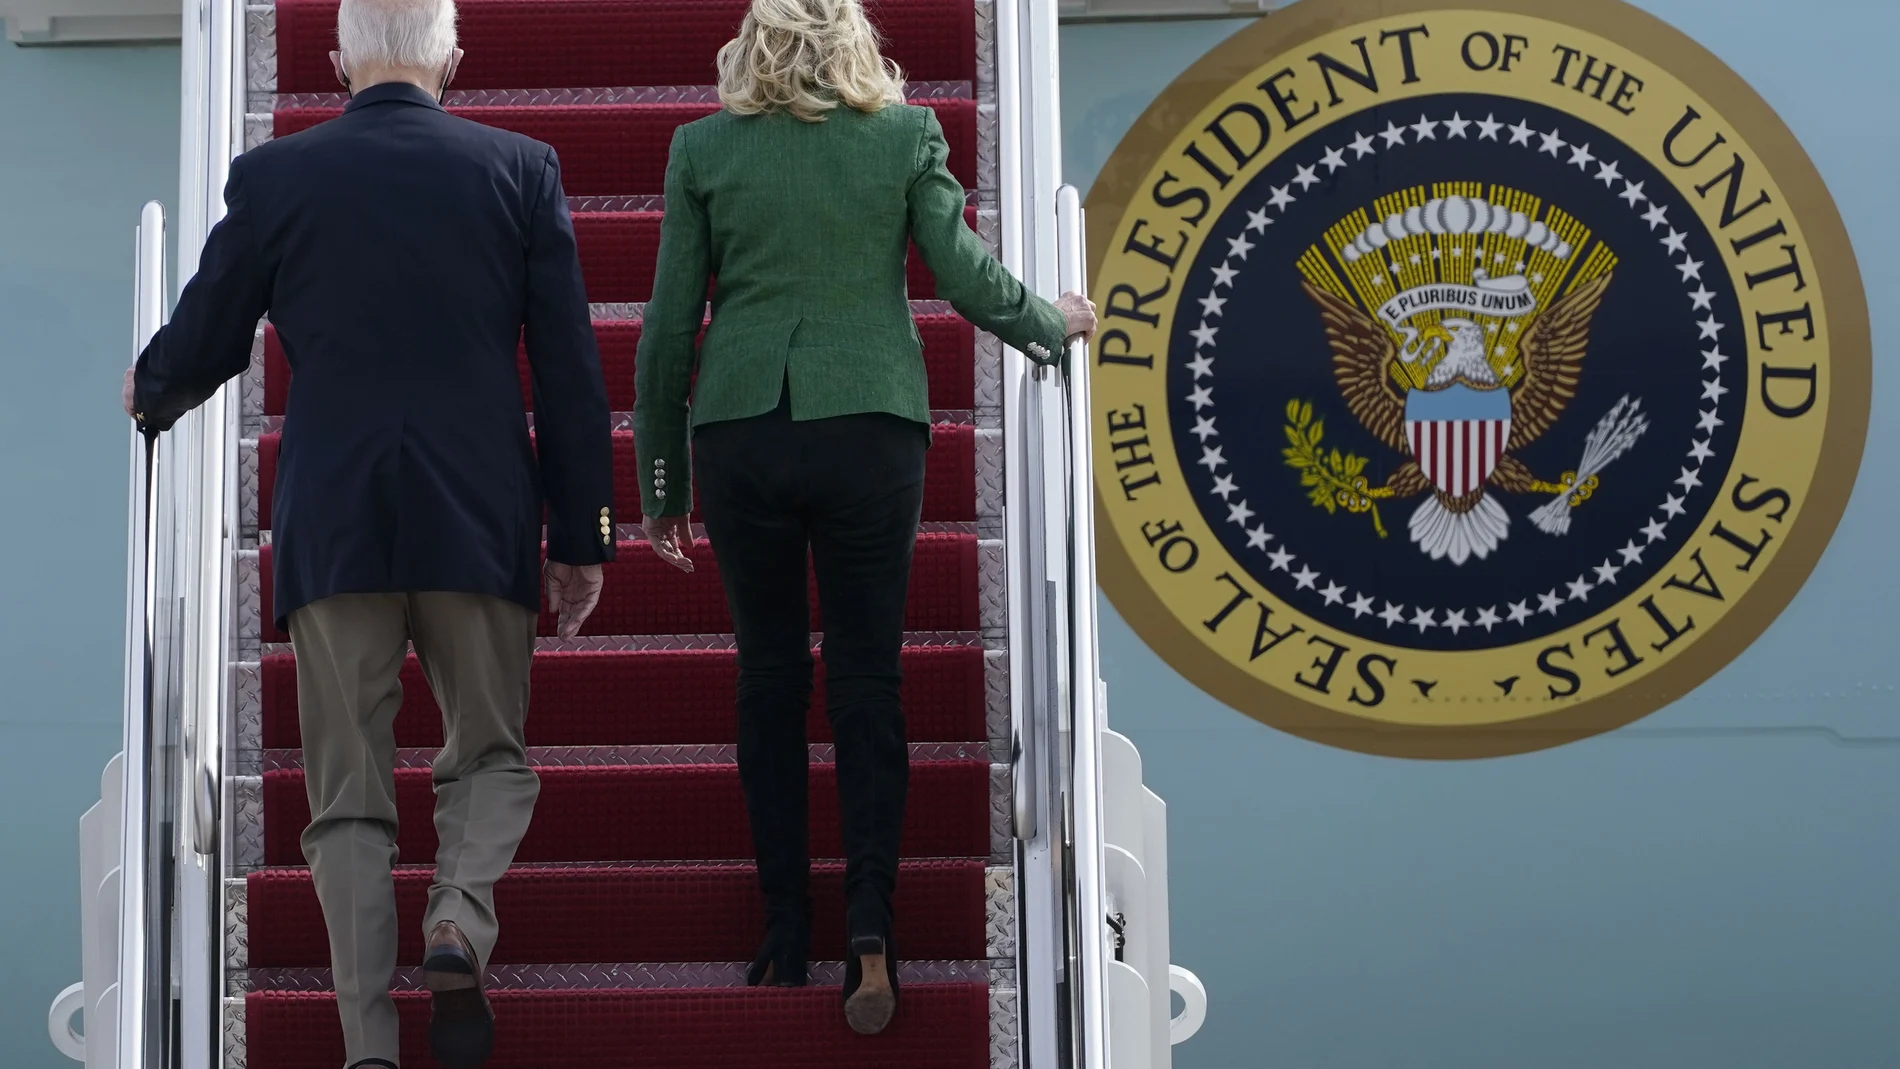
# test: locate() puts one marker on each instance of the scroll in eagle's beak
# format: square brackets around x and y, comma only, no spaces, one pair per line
[1418,342]
[1430,334]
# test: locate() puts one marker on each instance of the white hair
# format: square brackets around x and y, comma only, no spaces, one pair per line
[409,34]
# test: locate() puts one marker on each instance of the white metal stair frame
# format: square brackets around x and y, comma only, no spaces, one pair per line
[152,925]
[1060,1008]
[95,997]
[1092,839]
[1142,979]
[124,853]
[155,888]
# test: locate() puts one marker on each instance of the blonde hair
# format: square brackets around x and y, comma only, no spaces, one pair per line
[806,57]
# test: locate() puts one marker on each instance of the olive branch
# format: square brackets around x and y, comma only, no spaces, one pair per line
[1334,480]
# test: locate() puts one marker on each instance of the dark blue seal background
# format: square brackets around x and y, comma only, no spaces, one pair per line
[1271,348]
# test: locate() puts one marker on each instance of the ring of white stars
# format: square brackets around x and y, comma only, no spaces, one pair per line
[1557,599]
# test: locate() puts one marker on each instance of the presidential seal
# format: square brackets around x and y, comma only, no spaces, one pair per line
[1472,378]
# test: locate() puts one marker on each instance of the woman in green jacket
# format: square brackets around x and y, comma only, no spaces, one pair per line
[809,419]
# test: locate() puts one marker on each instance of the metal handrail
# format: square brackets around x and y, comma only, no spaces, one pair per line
[1043,989]
[178,633]
[1086,887]
[144,904]
[1056,721]
[1053,731]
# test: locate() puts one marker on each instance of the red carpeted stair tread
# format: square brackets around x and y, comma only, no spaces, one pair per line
[646,596]
[949,361]
[584,43]
[655,697]
[939,1026]
[618,252]
[629,856]
[620,150]
[613,913]
[949,475]
[659,813]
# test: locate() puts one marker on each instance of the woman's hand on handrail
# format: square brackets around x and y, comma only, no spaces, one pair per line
[1079,313]
[666,534]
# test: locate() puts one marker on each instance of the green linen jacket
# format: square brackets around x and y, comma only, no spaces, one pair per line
[805,227]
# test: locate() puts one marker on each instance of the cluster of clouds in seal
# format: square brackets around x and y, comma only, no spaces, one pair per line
[1457,215]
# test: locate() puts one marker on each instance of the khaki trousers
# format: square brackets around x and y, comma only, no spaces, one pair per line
[475,652]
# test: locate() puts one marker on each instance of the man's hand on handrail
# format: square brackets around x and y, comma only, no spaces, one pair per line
[1079,313]
[129,391]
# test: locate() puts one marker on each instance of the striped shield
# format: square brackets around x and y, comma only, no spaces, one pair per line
[1457,434]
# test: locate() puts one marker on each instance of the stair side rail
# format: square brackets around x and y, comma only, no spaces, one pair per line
[1043,986]
[212,109]
[1116,877]
[1059,945]
[139,998]
[122,873]
[1088,859]
[1064,943]
[1119,861]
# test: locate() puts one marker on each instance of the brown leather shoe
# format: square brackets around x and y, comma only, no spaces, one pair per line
[461,1024]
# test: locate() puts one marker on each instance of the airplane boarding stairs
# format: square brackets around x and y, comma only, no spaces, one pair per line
[1032,895]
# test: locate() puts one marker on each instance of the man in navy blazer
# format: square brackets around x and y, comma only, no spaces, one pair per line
[401,253]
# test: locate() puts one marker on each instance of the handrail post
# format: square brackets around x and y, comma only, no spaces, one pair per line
[144,971]
[1087,861]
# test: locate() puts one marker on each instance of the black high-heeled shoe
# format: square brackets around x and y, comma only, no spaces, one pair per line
[781,961]
[870,984]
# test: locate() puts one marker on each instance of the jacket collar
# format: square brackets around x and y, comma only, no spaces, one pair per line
[392,93]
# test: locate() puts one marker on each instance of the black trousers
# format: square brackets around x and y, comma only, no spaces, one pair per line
[848,491]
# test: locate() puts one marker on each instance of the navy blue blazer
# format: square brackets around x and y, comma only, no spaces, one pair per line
[401,253]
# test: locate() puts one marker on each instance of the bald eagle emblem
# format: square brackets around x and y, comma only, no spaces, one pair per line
[1459,323]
